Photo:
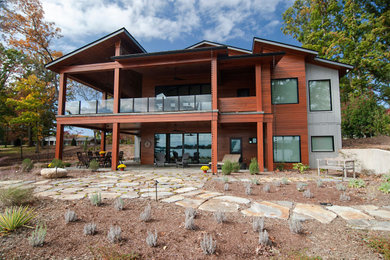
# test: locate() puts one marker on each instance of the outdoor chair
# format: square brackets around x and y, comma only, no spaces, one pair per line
[229,157]
[195,158]
[184,160]
[97,155]
[160,159]
[107,160]
[90,155]
[120,157]
[82,160]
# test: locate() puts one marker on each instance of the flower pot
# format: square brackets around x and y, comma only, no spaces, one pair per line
[205,171]
[122,169]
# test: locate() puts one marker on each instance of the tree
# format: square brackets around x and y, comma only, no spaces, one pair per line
[352,31]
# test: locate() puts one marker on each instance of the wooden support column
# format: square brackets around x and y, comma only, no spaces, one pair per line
[214,121]
[62,95]
[259,98]
[214,82]
[214,146]
[116,91]
[260,147]
[59,141]
[115,145]
[102,140]
[270,152]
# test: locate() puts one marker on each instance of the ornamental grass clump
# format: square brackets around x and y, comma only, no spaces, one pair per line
[219,216]
[226,187]
[70,216]
[267,188]
[190,212]
[277,183]
[295,226]
[320,184]
[385,187]
[225,179]
[93,165]
[56,163]
[254,166]
[235,167]
[90,229]
[248,189]
[357,183]
[255,181]
[264,238]
[285,181]
[189,223]
[27,165]
[151,239]
[15,217]
[208,245]
[341,187]
[115,234]
[38,236]
[15,196]
[258,224]
[227,167]
[96,199]
[301,186]
[146,215]
[344,197]
[118,204]
[308,194]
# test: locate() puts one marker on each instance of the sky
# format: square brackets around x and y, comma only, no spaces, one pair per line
[161,25]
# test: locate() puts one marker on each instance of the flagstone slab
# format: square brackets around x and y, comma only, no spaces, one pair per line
[193,193]
[369,224]
[349,213]
[110,195]
[185,189]
[127,184]
[209,195]
[380,213]
[77,196]
[190,203]
[300,217]
[46,193]
[130,195]
[173,198]
[234,199]
[315,211]
[159,194]
[284,203]
[42,182]
[366,207]
[214,205]
[71,190]
[267,209]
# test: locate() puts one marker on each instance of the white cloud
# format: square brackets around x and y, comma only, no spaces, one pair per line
[162,19]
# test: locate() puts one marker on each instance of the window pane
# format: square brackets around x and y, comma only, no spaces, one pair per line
[322,144]
[160,143]
[191,147]
[284,91]
[176,146]
[320,99]
[204,148]
[235,146]
[287,149]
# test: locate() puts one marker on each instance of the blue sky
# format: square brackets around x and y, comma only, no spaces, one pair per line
[168,24]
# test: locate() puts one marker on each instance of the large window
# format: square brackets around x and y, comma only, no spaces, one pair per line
[183,90]
[322,144]
[285,91]
[320,98]
[287,149]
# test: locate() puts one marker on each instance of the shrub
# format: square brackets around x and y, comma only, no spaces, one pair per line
[386,177]
[381,245]
[308,194]
[225,179]
[301,186]
[280,166]
[227,168]
[341,187]
[115,234]
[118,204]
[27,165]
[208,245]
[320,184]
[254,166]
[146,215]
[344,197]
[38,236]
[277,183]
[67,164]
[295,226]
[15,196]
[96,199]
[151,239]
[70,216]
[285,181]
[15,217]
[189,223]
[255,181]
[385,187]
[300,167]
[56,163]
[264,239]
[248,189]
[190,212]
[226,187]
[219,216]
[93,165]
[258,224]
[356,183]
[235,167]
[90,229]
[267,188]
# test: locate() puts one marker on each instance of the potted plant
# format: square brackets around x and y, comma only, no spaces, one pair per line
[102,153]
[204,168]
[121,167]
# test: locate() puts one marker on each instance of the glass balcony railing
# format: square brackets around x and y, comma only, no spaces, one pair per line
[141,105]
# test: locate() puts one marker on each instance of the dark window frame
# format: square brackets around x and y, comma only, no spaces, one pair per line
[230,145]
[176,88]
[273,148]
[311,143]
[330,95]
[272,102]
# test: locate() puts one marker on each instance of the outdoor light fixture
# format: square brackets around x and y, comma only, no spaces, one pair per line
[253,140]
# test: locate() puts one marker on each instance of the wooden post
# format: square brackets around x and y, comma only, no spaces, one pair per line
[115,145]
[260,148]
[214,121]
[270,152]
[116,91]
[62,95]
[102,140]
[214,82]
[59,141]
[259,98]
[214,146]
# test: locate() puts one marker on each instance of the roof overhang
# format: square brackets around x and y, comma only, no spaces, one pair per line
[282,46]
[196,45]
[250,60]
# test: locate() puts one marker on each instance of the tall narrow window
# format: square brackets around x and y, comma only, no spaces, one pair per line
[320,98]
[287,149]
[285,91]
[322,144]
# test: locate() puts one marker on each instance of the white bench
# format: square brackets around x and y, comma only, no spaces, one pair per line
[339,164]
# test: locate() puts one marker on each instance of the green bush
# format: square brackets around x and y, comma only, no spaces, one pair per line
[280,166]
[56,163]
[27,165]
[38,236]
[300,167]
[356,183]
[96,199]
[381,245]
[254,166]
[385,187]
[67,164]
[16,196]
[386,177]
[227,168]
[93,165]
[73,143]
[15,217]
[236,167]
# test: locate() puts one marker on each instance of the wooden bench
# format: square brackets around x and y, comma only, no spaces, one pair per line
[228,157]
[338,164]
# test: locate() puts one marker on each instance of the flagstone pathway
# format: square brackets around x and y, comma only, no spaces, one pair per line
[183,187]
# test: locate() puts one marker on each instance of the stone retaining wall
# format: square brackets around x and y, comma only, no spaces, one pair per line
[376,161]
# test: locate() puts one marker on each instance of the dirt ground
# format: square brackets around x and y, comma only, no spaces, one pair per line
[379,142]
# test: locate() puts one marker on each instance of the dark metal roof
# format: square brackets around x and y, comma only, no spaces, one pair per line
[220,44]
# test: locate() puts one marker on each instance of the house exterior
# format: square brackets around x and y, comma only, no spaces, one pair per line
[277,102]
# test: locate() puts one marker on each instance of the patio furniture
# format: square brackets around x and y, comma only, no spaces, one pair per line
[107,159]
[184,160]
[120,157]
[90,156]
[229,157]
[195,158]
[338,164]
[83,161]
[160,159]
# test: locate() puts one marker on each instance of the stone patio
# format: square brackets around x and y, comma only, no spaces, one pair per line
[183,187]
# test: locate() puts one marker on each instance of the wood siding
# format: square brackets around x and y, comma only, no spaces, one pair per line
[238,104]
